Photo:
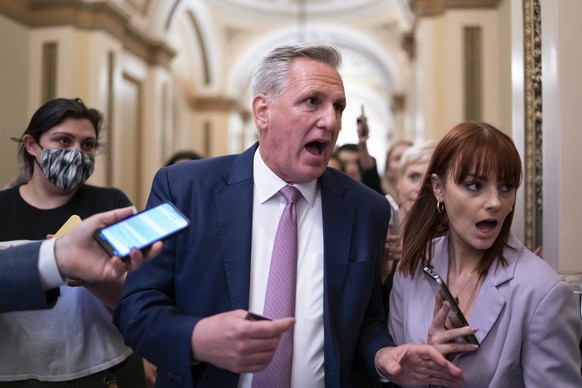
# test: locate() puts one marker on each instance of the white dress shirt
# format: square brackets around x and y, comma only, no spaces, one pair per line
[50,276]
[268,205]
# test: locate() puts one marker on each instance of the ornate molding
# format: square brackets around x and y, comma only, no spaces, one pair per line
[533,123]
[398,102]
[96,16]
[437,7]
[221,104]
[472,69]
[408,43]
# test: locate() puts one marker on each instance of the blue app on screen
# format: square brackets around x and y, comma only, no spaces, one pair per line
[143,229]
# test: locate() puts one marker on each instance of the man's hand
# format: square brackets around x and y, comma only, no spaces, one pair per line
[230,341]
[412,364]
[80,257]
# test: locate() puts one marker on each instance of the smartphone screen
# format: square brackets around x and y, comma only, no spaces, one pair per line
[142,229]
[456,316]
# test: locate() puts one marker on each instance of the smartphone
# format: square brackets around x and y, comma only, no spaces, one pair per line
[256,317]
[394,223]
[456,316]
[141,230]
[362,119]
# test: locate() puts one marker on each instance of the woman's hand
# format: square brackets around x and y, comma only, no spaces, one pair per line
[392,253]
[393,248]
[446,340]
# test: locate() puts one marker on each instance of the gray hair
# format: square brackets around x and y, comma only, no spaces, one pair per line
[271,76]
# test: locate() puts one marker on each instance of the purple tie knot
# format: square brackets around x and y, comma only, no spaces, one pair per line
[291,194]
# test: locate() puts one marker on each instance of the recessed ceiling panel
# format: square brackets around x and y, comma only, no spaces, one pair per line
[290,7]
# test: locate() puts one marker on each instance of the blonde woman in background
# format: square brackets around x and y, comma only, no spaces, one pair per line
[413,166]
[392,166]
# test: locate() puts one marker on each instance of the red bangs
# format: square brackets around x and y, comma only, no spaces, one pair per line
[477,151]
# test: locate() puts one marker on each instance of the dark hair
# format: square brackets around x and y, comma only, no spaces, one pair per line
[335,157]
[347,147]
[189,155]
[53,113]
[468,148]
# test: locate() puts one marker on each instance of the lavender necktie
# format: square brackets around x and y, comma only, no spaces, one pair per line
[280,295]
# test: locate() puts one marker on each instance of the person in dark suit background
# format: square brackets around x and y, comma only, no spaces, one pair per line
[186,310]
[31,273]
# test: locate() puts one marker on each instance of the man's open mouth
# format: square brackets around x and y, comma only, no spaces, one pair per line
[315,147]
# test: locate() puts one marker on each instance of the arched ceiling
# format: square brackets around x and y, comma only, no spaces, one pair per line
[211,46]
[234,34]
[218,43]
[240,26]
[317,8]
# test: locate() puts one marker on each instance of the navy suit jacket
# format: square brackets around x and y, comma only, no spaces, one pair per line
[20,287]
[206,271]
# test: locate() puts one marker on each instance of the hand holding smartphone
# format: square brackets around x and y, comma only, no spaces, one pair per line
[456,316]
[141,230]
[364,124]
[256,317]
[394,224]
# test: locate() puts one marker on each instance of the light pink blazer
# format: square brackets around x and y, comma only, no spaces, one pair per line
[528,319]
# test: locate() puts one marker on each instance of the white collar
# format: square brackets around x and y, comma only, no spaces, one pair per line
[267,183]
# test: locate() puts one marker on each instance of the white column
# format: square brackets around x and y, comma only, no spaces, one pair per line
[562,134]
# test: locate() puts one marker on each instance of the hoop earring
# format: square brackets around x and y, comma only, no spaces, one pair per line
[440,207]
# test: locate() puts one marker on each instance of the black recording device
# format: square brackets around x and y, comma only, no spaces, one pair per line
[364,121]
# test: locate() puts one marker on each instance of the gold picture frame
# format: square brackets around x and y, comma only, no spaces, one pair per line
[533,124]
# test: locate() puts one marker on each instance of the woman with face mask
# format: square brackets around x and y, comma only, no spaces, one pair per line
[76,339]
[524,316]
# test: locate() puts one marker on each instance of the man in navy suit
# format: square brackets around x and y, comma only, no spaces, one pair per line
[186,310]
[31,273]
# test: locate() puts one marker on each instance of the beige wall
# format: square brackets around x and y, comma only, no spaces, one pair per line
[132,141]
[14,81]
[439,78]
[562,137]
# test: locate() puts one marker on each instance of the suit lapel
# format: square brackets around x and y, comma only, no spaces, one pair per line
[337,228]
[487,308]
[234,209]
[491,301]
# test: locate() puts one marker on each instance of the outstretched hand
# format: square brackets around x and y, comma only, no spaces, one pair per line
[412,364]
[230,341]
[80,257]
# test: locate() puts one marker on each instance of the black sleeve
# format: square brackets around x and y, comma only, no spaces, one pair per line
[371,178]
